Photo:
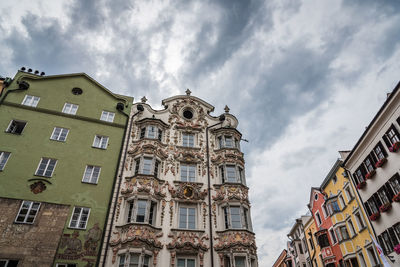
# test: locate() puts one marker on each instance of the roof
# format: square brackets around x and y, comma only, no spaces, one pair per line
[331,173]
[395,90]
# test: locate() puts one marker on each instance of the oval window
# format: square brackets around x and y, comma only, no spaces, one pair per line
[188,114]
[77,91]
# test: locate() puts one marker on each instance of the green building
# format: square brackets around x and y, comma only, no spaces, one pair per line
[60,145]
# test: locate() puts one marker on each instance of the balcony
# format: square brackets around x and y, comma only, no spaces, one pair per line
[144,183]
[235,239]
[137,235]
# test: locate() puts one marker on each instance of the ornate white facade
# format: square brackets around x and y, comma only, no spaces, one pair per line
[162,213]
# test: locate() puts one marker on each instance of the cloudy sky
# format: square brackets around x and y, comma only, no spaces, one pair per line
[304,78]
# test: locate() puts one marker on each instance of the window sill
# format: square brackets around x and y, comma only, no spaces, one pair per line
[89,183]
[42,176]
[362,229]
[145,176]
[351,200]
[150,139]
[226,183]
[57,140]
[27,223]
[189,147]
[188,230]
[99,148]
[227,148]
[13,133]
[236,230]
[76,228]
[138,224]
[183,182]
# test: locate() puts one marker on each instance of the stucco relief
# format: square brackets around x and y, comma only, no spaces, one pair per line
[187,191]
[227,156]
[138,184]
[199,122]
[235,240]
[148,146]
[138,236]
[229,192]
[185,241]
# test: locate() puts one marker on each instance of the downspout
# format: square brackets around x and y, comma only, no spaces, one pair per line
[21,86]
[127,138]
[221,118]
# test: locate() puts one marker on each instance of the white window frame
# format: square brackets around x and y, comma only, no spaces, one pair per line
[358,218]
[30,100]
[107,116]
[186,226]
[127,259]
[372,261]
[347,191]
[187,174]
[245,219]
[240,176]
[13,131]
[4,156]
[239,256]
[88,177]
[46,168]
[350,226]
[58,137]
[185,258]
[70,108]
[132,208]
[186,140]
[333,235]
[78,221]
[145,129]
[100,143]
[28,213]
[360,255]
[153,171]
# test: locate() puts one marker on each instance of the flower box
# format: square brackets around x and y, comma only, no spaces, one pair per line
[361,185]
[397,249]
[370,175]
[395,147]
[396,198]
[375,216]
[380,163]
[385,207]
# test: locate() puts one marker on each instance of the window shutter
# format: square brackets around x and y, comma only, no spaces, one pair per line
[366,205]
[387,142]
[377,200]
[389,191]
[142,132]
[159,135]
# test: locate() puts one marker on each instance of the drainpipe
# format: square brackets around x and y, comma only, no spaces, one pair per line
[221,118]
[22,85]
[124,152]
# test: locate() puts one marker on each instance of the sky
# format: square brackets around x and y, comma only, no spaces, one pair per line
[304,78]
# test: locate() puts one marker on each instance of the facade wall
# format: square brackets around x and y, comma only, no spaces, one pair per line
[376,182]
[357,246]
[156,177]
[31,244]
[66,184]
[313,249]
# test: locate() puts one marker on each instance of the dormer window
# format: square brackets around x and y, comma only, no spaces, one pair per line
[232,174]
[147,165]
[227,141]
[151,132]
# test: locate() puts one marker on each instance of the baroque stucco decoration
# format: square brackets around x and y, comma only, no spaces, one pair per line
[235,241]
[142,183]
[187,191]
[183,241]
[232,192]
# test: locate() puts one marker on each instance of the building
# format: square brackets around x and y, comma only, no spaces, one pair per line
[60,145]
[374,166]
[351,228]
[313,249]
[298,240]
[330,253]
[182,198]
[280,261]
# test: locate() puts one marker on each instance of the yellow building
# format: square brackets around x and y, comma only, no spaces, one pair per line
[313,249]
[351,227]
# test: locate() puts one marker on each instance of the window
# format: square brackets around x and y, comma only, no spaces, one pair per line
[70,108]
[385,195]
[79,218]
[134,260]
[372,256]
[3,159]
[100,141]
[334,179]
[187,218]
[361,259]
[333,207]
[323,241]
[142,211]
[46,167]
[66,265]
[16,127]
[394,183]
[349,194]
[333,236]
[27,212]
[226,141]
[359,221]
[369,164]
[300,248]
[91,174]
[240,261]
[31,101]
[107,116]
[236,217]
[188,173]
[188,140]
[232,174]
[342,233]
[182,262]
[392,136]
[147,166]
[380,152]
[8,263]
[151,131]
[351,228]
[59,134]
[319,221]
[359,175]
